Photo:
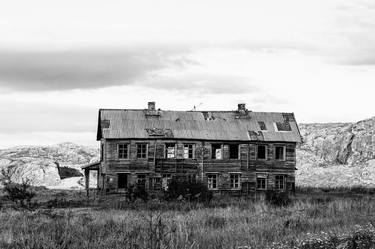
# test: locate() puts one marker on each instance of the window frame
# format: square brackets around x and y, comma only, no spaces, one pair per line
[144,179]
[146,152]
[277,182]
[127,151]
[232,186]
[210,183]
[166,150]
[213,153]
[188,154]
[265,182]
[284,152]
[265,152]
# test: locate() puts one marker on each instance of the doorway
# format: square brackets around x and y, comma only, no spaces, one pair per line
[122,180]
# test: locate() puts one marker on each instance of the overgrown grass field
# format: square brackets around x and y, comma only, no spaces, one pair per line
[314,219]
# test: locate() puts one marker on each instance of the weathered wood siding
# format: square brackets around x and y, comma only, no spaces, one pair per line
[156,164]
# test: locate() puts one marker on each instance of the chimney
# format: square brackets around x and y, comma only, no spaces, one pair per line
[151,106]
[242,107]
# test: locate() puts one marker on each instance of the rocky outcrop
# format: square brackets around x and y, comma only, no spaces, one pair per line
[48,165]
[337,154]
[341,143]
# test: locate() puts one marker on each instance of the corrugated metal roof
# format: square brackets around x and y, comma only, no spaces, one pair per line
[210,125]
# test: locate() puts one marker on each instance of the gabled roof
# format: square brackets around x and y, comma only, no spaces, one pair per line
[203,125]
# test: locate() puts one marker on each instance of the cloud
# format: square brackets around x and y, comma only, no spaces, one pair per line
[202,83]
[83,69]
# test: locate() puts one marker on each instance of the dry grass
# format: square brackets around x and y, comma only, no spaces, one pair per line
[320,220]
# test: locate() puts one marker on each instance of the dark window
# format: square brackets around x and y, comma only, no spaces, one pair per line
[216,151]
[261,183]
[212,181]
[261,152]
[141,150]
[233,151]
[280,152]
[262,126]
[170,150]
[122,151]
[279,182]
[102,152]
[235,181]
[188,151]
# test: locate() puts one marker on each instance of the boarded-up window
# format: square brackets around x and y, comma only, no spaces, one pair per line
[122,151]
[170,150]
[261,152]
[216,151]
[212,181]
[141,150]
[262,126]
[188,151]
[235,181]
[279,182]
[233,151]
[280,152]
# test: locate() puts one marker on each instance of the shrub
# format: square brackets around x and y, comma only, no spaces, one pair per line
[21,194]
[137,192]
[188,190]
[276,198]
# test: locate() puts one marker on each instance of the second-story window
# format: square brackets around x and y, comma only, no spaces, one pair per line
[262,152]
[170,150]
[141,150]
[216,151]
[280,152]
[122,151]
[188,151]
[233,151]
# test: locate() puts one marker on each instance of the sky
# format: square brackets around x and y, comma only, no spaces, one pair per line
[60,61]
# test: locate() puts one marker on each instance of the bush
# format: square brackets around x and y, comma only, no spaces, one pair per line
[278,199]
[188,190]
[21,194]
[137,192]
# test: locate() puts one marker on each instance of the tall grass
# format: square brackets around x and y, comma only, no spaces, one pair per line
[309,222]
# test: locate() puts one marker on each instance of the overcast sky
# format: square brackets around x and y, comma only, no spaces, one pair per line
[60,61]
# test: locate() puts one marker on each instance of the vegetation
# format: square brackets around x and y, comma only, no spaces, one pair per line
[319,219]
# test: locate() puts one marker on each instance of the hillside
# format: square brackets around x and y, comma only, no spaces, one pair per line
[337,154]
[332,155]
[39,164]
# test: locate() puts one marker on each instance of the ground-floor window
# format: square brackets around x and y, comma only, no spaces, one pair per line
[280,182]
[166,178]
[235,181]
[212,181]
[261,183]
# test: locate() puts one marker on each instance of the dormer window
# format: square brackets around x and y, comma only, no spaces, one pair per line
[262,126]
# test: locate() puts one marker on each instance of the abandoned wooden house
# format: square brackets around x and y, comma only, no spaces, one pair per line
[237,151]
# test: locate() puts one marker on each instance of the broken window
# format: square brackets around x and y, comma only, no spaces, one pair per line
[280,152]
[279,182]
[141,150]
[212,181]
[285,126]
[233,151]
[262,126]
[122,151]
[216,151]
[166,178]
[261,183]
[188,151]
[235,181]
[261,152]
[170,150]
